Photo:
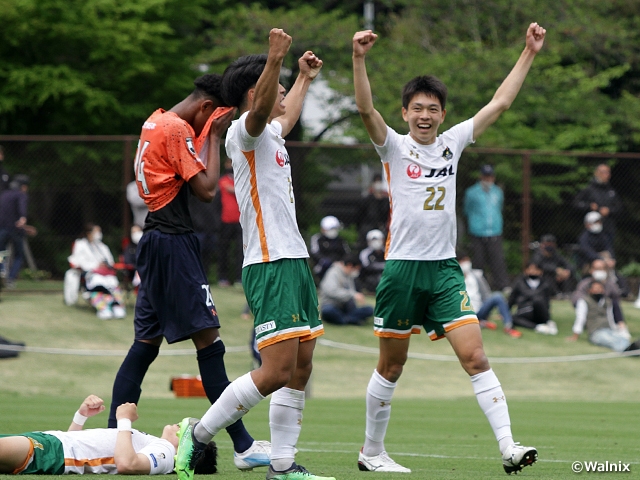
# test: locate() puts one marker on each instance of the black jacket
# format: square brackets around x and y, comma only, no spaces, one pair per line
[604,196]
[523,294]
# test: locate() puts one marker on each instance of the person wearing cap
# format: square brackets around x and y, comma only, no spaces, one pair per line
[372,260]
[327,246]
[600,197]
[13,222]
[556,269]
[594,243]
[483,204]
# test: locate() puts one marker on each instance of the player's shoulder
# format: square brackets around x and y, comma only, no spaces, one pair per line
[167,123]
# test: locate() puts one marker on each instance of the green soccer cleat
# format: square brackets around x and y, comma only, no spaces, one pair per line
[294,472]
[189,449]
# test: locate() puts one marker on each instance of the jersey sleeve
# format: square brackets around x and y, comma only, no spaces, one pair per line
[461,134]
[387,151]
[246,142]
[160,454]
[181,151]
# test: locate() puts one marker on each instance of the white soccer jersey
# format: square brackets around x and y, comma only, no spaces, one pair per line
[262,177]
[422,193]
[93,451]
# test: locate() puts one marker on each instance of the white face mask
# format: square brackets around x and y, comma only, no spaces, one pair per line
[136,236]
[466,267]
[97,236]
[599,275]
[332,233]
[376,244]
[595,227]
[354,274]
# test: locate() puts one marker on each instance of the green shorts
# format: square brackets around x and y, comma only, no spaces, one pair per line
[283,300]
[45,457]
[413,293]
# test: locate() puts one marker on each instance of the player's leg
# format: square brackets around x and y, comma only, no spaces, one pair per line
[14,453]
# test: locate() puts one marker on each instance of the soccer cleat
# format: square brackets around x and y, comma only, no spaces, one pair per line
[549,328]
[189,449]
[257,455]
[118,311]
[516,456]
[104,314]
[379,463]
[488,324]
[294,472]
[512,332]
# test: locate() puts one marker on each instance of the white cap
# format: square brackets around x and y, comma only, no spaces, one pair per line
[329,222]
[374,234]
[592,217]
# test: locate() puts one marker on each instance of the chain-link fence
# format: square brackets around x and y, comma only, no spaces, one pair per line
[75,180]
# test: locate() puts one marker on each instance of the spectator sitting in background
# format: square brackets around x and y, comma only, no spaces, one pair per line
[372,261]
[483,300]
[594,311]
[373,211]
[599,273]
[327,246]
[594,243]
[95,259]
[340,303]
[129,254]
[531,294]
[556,269]
[138,207]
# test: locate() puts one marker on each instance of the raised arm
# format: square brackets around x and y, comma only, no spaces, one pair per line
[266,90]
[92,405]
[507,92]
[373,121]
[127,461]
[310,66]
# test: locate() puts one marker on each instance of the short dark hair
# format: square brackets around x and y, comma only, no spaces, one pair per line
[209,85]
[207,463]
[427,84]
[240,76]
[351,259]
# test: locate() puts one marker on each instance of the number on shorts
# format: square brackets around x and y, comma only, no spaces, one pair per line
[432,193]
[464,304]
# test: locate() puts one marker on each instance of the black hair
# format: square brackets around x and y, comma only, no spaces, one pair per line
[209,85]
[240,76]
[88,228]
[351,259]
[427,84]
[377,177]
[207,463]
[535,263]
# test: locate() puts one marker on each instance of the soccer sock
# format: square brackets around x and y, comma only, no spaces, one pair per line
[214,381]
[379,393]
[126,386]
[236,400]
[493,403]
[285,420]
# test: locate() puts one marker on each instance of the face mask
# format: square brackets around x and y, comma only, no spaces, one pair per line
[597,296]
[595,227]
[97,236]
[375,244]
[534,277]
[135,237]
[550,249]
[378,187]
[599,275]
[354,274]
[333,233]
[465,266]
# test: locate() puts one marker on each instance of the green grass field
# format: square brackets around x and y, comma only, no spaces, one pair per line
[571,411]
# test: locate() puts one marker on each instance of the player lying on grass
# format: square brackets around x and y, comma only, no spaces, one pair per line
[121,450]
[422,284]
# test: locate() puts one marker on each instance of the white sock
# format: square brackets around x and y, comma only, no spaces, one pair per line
[237,399]
[379,393]
[493,403]
[285,420]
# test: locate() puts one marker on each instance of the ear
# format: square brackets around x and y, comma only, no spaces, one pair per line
[250,95]
[404,114]
[444,114]
[207,105]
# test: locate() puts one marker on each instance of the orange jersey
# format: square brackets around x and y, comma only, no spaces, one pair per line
[165,159]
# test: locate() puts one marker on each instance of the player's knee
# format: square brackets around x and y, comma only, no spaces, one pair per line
[475,361]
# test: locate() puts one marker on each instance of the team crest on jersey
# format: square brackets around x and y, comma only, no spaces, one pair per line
[192,149]
[282,158]
[447,154]
[414,170]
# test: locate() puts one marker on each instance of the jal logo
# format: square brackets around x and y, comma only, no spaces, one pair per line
[414,171]
[436,172]
[282,158]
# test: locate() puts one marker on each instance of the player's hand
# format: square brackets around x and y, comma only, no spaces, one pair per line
[221,124]
[535,37]
[91,406]
[362,42]
[279,43]
[309,64]
[127,410]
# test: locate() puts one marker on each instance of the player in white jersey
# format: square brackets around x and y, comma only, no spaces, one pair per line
[122,450]
[422,284]
[276,277]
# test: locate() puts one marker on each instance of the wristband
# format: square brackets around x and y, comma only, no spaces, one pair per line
[124,425]
[79,418]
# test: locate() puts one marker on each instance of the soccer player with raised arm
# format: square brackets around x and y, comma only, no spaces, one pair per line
[174,300]
[276,277]
[422,284]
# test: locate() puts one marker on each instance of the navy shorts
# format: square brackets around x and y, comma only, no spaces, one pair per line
[174,299]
